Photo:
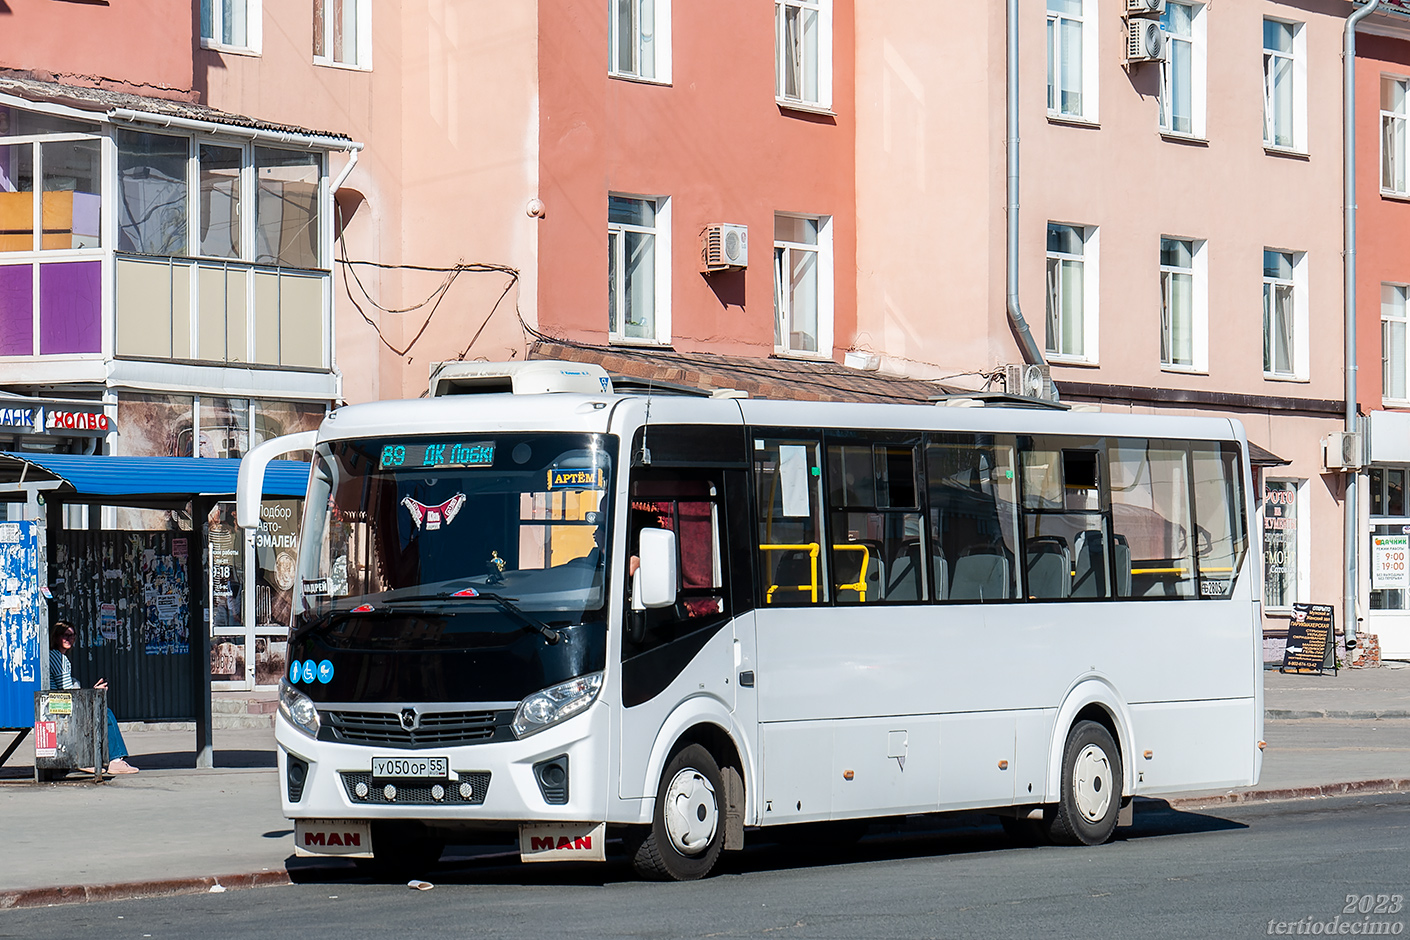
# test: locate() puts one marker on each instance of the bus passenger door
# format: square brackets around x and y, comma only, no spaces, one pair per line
[688,650]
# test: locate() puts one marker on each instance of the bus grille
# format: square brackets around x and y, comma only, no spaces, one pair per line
[437,729]
[469,791]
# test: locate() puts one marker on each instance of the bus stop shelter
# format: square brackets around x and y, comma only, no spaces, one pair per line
[138,598]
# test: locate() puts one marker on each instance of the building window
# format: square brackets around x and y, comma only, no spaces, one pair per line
[1284,78]
[1182,73]
[1284,315]
[287,218]
[1284,538]
[1072,78]
[1393,113]
[1184,338]
[1071,301]
[803,284]
[1393,361]
[640,39]
[342,33]
[230,24]
[638,269]
[803,54]
[152,192]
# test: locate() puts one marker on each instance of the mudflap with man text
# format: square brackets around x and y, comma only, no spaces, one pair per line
[563,842]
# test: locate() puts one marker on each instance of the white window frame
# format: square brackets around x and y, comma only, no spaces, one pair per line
[1399,315]
[782,299]
[1199,307]
[1090,273]
[1198,41]
[1302,581]
[1090,42]
[254,19]
[362,10]
[1394,160]
[661,252]
[823,8]
[1298,59]
[1298,282]
[660,45]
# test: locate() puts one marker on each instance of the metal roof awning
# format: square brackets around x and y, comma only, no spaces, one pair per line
[1262,457]
[128,480]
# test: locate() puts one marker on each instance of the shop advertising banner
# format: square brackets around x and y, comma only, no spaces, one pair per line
[1388,562]
[1311,640]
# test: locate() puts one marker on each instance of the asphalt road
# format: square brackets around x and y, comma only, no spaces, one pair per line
[1240,871]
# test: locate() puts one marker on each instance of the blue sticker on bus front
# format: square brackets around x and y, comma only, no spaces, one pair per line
[325,671]
[309,670]
[296,671]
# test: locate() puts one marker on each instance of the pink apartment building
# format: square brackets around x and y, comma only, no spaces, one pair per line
[507,180]
[1180,245]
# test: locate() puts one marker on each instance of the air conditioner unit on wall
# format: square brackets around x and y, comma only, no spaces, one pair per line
[1145,7]
[1145,41]
[1341,450]
[724,246]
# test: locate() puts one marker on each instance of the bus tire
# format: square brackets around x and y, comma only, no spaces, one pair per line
[687,827]
[1091,788]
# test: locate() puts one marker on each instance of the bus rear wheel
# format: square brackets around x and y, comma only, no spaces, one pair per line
[1090,801]
[686,833]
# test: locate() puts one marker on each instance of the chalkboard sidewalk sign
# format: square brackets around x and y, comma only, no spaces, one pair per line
[1311,646]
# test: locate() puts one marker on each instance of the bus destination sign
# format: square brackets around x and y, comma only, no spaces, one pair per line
[417,456]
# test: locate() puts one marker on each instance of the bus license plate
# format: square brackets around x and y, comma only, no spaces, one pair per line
[435,768]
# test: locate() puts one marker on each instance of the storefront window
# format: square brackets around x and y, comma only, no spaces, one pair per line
[225,427]
[1389,557]
[1281,558]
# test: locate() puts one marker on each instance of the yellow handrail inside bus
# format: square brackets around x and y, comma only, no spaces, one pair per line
[813,550]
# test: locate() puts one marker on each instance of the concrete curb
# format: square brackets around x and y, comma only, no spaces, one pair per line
[1389,785]
[1295,713]
[126,891]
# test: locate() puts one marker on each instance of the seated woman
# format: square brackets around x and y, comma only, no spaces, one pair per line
[61,640]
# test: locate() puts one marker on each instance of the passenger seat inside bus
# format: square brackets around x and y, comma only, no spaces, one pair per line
[1049,567]
[982,573]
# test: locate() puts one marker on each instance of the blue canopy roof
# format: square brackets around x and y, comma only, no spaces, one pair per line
[151,477]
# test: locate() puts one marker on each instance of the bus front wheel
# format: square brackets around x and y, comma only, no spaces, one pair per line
[686,833]
[1091,788]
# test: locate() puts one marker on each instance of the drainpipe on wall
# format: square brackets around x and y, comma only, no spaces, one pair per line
[1350,588]
[1031,353]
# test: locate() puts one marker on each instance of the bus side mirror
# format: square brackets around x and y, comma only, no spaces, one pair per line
[657,579]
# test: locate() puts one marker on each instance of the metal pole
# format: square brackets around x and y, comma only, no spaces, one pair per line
[1351,539]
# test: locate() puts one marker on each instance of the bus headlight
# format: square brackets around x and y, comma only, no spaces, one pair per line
[555,703]
[298,708]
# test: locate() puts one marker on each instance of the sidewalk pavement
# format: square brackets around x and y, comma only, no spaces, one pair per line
[175,829]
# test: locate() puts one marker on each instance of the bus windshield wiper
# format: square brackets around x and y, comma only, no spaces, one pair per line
[505,603]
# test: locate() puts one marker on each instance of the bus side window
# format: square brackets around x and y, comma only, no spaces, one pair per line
[874,521]
[792,565]
[1068,546]
[1151,518]
[970,482]
[1221,541]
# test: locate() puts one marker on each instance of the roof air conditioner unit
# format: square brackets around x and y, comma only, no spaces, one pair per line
[1026,380]
[1341,450]
[724,247]
[1145,7]
[1145,41]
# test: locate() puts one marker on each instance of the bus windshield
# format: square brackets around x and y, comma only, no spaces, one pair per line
[455,519]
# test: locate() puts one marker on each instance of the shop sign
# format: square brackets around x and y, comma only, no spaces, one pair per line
[1388,562]
[21,419]
[76,422]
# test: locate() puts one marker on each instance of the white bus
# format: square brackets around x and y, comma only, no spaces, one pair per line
[678,618]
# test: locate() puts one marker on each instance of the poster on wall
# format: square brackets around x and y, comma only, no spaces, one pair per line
[165,592]
[227,569]
[19,622]
[276,559]
[1389,570]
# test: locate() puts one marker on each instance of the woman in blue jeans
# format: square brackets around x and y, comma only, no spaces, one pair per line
[61,641]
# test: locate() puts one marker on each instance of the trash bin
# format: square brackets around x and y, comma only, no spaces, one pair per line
[70,732]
